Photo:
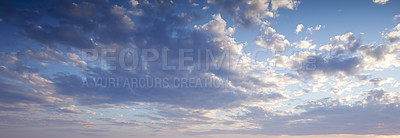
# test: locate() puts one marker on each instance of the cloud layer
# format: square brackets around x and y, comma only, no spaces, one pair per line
[297,87]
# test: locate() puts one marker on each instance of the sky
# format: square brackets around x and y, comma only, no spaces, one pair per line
[199,68]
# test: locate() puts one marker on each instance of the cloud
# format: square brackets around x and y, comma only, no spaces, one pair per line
[214,35]
[311,30]
[205,8]
[290,4]
[260,98]
[271,40]
[346,56]
[304,44]
[299,28]
[217,28]
[26,91]
[119,122]
[76,60]
[247,13]
[64,34]
[331,66]
[78,24]
[393,36]
[395,17]
[338,60]
[382,2]
[134,3]
[47,55]
[379,57]
[371,115]
[380,81]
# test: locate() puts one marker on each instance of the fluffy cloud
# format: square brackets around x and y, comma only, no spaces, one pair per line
[134,3]
[299,28]
[290,4]
[260,99]
[271,40]
[346,56]
[393,36]
[382,2]
[214,35]
[395,17]
[304,44]
[248,12]
[311,30]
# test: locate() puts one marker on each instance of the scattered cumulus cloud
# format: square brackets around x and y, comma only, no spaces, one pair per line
[382,2]
[304,44]
[248,13]
[271,40]
[395,17]
[311,30]
[299,28]
[265,94]
[394,35]
[134,3]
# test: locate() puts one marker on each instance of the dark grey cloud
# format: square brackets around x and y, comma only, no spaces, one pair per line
[64,34]
[72,23]
[330,66]
[161,27]
[201,98]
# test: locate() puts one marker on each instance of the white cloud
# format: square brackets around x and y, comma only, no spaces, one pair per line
[248,12]
[216,27]
[43,63]
[311,30]
[346,38]
[380,1]
[205,8]
[396,16]
[290,4]
[380,81]
[271,40]
[89,112]
[134,3]
[379,57]
[299,28]
[393,36]
[76,60]
[36,79]
[304,44]
[48,55]
[196,110]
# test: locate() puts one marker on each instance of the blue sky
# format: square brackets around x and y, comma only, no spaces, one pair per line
[199,68]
